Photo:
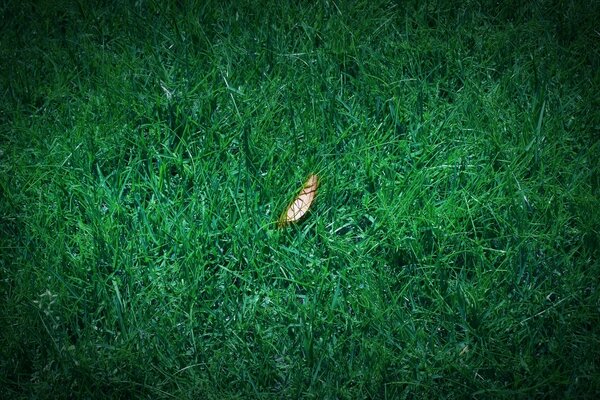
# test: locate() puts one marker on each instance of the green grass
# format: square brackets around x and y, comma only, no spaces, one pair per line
[147,150]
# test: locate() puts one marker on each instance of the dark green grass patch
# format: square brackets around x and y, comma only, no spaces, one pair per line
[148,149]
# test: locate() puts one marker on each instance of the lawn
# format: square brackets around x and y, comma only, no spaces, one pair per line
[148,149]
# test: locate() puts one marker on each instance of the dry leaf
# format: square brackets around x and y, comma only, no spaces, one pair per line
[298,208]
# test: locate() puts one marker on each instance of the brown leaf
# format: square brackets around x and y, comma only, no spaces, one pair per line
[298,208]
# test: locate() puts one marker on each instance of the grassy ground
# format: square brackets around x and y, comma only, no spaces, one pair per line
[148,149]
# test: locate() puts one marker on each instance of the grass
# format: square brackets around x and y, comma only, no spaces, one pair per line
[147,150]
